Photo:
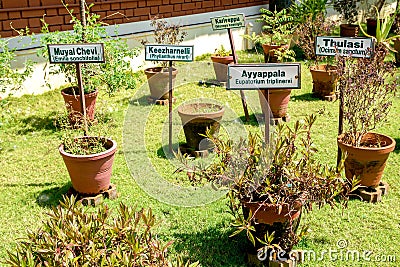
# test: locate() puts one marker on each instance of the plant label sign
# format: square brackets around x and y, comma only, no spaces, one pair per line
[169,53]
[228,22]
[76,53]
[359,47]
[264,76]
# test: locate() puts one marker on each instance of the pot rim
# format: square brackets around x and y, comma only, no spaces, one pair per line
[180,111]
[104,153]
[158,69]
[390,147]
[63,92]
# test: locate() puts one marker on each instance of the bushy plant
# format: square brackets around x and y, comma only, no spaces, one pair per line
[113,75]
[165,33]
[307,9]
[276,29]
[307,32]
[10,77]
[284,172]
[76,236]
[221,52]
[347,9]
[367,87]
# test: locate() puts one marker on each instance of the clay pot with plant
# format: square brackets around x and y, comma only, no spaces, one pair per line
[158,76]
[324,74]
[112,75]
[198,119]
[221,58]
[367,87]
[269,184]
[347,10]
[276,33]
[89,161]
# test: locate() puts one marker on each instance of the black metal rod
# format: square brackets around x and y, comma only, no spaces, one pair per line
[267,118]
[170,107]
[242,95]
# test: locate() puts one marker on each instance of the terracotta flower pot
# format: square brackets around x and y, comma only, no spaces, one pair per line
[90,174]
[367,162]
[349,30]
[278,101]
[272,213]
[158,79]
[196,123]
[396,46]
[74,106]
[269,52]
[220,65]
[324,80]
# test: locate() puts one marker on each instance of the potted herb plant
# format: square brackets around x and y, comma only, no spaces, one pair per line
[89,161]
[276,32]
[348,11]
[270,184]
[113,75]
[324,75]
[221,58]
[158,77]
[198,118]
[278,99]
[366,87]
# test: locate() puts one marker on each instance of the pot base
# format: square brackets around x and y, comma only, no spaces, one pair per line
[371,194]
[96,199]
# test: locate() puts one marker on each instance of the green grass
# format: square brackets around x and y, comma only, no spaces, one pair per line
[33,176]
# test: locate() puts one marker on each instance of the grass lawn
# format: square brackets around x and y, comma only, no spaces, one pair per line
[33,176]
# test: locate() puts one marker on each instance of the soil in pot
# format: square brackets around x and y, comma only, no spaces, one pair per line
[324,80]
[367,162]
[73,104]
[196,119]
[220,65]
[90,174]
[158,80]
[269,52]
[278,101]
[349,30]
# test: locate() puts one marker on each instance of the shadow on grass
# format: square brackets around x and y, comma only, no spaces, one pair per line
[39,123]
[304,97]
[213,247]
[51,197]
[142,101]
[253,119]
[397,147]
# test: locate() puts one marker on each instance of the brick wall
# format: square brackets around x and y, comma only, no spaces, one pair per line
[27,13]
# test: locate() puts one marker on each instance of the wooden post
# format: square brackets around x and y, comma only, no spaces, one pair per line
[266,118]
[340,128]
[82,93]
[243,97]
[170,107]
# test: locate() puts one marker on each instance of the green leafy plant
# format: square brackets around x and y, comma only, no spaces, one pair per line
[276,29]
[307,9]
[383,27]
[221,52]
[367,86]
[10,77]
[347,9]
[112,75]
[76,236]
[284,172]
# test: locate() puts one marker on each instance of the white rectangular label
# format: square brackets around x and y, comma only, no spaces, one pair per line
[228,22]
[76,53]
[168,53]
[344,46]
[264,76]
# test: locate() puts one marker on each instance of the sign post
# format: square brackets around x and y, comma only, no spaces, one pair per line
[169,53]
[267,76]
[78,54]
[229,22]
[357,47]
